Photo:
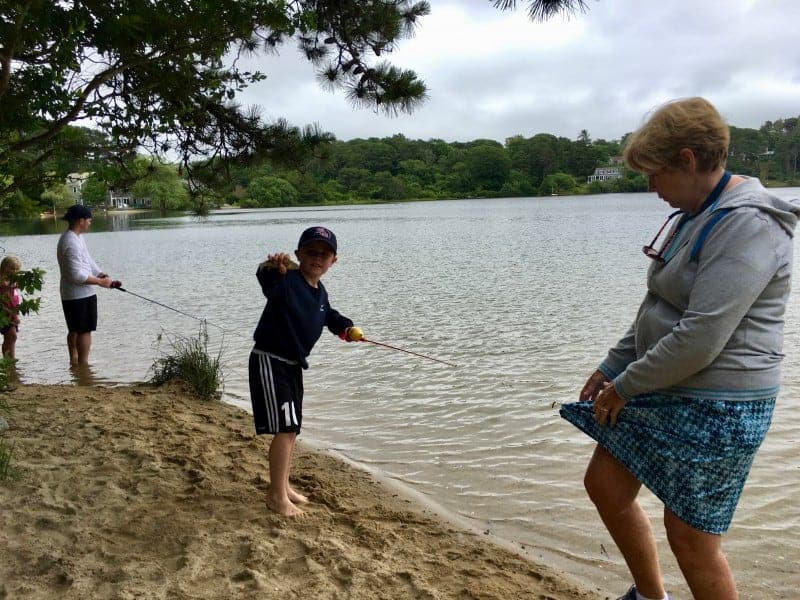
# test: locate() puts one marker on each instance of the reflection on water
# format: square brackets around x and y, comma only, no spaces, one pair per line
[525,295]
[83,375]
[101,221]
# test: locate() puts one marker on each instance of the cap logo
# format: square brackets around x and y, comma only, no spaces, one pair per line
[321,231]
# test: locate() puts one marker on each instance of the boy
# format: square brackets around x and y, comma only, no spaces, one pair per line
[296,311]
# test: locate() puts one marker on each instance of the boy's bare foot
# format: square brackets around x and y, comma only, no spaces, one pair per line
[297,497]
[283,507]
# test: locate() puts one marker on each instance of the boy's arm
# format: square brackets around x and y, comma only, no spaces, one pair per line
[270,272]
[336,322]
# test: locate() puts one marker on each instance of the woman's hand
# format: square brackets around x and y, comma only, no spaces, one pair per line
[592,386]
[608,405]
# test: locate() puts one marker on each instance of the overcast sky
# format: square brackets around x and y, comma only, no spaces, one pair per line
[493,74]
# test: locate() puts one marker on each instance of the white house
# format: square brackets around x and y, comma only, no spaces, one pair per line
[118,198]
[604,174]
[75,183]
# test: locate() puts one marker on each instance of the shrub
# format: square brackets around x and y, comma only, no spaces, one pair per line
[188,361]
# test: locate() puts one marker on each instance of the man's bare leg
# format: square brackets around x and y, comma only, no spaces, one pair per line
[83,344]
[72,346]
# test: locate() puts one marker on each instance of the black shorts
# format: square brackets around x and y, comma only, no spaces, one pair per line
[81,314]
[276,392]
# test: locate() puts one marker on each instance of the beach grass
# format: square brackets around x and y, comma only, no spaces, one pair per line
[188,360]
[6,364]
[6,470]
[6,370]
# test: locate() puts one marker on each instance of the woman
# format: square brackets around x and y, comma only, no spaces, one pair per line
[683,401]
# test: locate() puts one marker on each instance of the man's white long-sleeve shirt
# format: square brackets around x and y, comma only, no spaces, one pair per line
[76,266]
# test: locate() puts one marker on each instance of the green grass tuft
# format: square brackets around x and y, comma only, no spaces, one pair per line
[6,470]
[6,367]
[188,360]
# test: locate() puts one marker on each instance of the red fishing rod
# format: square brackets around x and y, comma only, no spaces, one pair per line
[355,334]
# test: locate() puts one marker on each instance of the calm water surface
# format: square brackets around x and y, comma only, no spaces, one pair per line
[525,295]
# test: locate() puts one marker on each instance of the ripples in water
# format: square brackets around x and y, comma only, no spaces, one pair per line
[524,295]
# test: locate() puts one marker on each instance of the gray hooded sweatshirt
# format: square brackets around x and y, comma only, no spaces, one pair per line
[711,324]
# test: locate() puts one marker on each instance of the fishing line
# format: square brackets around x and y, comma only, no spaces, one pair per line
[117,285]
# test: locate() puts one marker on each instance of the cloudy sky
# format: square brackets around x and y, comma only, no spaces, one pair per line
[493,74]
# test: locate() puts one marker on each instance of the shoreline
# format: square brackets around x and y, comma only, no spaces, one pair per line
[136,491]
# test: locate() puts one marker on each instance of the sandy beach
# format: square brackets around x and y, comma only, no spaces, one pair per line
[142,492]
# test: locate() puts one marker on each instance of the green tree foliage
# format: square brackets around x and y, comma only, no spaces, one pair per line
[268,191]
[544,9]
[488,166]
[159,182]
[397,168]
[94,191]
[29,283]
[558,184]
[57,196]
[19,206]
[164,75]
[534,157]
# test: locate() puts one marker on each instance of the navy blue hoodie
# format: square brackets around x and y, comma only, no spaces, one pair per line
[294,316]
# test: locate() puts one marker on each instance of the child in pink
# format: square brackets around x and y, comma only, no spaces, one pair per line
[10,299]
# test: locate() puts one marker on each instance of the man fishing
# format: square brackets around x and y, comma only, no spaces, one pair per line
[79,273]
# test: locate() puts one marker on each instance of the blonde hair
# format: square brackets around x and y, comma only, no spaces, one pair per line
[691,123]
[9,265]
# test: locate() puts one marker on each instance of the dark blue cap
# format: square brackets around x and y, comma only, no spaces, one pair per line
[318,234]
[77,211]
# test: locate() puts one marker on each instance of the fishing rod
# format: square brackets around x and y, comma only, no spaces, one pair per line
[354,334]
[444,362]
[117,285]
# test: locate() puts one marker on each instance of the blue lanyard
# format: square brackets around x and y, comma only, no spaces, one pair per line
[708,204]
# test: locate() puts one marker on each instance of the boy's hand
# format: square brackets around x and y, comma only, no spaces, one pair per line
[279,261]
[352,334]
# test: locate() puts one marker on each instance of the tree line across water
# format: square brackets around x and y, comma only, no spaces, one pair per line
[165,79]
[394,169]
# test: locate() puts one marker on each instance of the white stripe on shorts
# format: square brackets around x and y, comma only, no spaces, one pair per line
[268,385]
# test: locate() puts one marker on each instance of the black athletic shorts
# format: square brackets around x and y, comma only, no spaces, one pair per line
[81,314]
[276,392]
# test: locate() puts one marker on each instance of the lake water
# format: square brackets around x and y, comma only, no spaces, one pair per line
[524,295]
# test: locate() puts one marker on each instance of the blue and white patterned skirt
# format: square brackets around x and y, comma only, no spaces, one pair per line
[693,454]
